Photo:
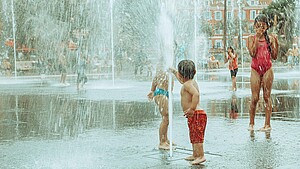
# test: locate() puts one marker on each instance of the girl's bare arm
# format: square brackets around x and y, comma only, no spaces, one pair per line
[274,46]
[154,83]
[251,45]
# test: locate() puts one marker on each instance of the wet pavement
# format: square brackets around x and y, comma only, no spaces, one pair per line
[46,125]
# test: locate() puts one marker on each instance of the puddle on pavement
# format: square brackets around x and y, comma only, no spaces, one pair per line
[285,107]
[58,116]
[55,116]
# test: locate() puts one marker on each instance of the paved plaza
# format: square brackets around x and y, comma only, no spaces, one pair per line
[114,126]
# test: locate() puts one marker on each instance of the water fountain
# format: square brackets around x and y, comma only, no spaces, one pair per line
[112,41]
[166,31]
[65,128]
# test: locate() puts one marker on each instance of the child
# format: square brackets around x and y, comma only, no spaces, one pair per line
[63,69]
[197,118]
[233,65]
[290,58]
[234,108]
[81,76]
[262,48]
[159,91]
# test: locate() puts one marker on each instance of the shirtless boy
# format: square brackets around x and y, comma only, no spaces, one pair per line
[197,118]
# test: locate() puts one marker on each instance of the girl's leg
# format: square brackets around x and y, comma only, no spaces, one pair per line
[255,83]
[64,77]
[233,79]
[162,103]
[267,87]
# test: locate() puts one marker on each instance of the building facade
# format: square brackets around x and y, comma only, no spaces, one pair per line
[215,14]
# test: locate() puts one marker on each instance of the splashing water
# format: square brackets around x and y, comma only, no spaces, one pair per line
[167,40]
[166,37]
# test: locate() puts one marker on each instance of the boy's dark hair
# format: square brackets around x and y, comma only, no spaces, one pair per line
[187,69]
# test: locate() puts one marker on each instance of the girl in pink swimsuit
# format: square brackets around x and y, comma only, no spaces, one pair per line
[262,48]
[261,63]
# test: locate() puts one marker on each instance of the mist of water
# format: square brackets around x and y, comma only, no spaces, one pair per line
[167,41]
[165,29]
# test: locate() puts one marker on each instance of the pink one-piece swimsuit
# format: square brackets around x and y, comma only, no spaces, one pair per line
[261,63]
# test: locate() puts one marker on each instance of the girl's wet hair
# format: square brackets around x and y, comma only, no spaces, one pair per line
[230,47]
[187,69]
[264,18]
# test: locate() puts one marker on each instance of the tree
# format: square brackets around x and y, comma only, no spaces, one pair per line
[282,18]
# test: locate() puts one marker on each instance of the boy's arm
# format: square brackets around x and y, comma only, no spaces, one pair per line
[195,99]
[195,96]
[174,71]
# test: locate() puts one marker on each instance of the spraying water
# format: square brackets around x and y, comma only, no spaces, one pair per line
[112,42]
[167,40]
[241,40]
[14,34]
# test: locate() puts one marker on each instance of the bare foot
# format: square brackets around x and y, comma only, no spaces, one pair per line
[164,146]
[198,161]
[251,127]
[265,128]
[190,158]
[173,144]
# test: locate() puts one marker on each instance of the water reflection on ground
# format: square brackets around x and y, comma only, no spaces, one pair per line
[285,107]
[57,116]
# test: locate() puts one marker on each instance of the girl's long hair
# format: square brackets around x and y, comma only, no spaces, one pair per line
[231,49]
[264,18]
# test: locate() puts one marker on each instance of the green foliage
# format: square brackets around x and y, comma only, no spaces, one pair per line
[282,20]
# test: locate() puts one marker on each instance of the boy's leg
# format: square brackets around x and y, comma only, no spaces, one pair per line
[198,154]
[192,157]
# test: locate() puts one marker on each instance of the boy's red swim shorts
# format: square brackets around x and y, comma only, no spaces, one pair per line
[197,125]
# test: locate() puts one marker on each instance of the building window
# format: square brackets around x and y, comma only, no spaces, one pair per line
[208,15]
[229,15]
[251,28]
[218,15]
[206,3]
[218,44]
[244,43]
[252,2]
[219,31]
[252,14]
[229,2]
[244,15]
[210,44]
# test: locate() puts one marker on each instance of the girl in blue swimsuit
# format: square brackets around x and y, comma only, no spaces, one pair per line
[159,92]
